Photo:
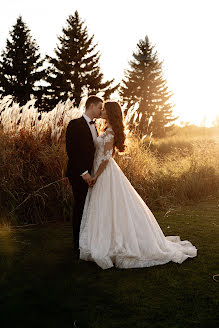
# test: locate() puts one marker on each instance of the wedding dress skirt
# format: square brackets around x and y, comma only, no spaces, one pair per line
[118,228]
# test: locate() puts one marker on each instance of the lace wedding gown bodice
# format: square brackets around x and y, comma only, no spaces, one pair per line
[104,148]
[117,227]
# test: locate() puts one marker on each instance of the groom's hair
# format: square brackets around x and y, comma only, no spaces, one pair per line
[92,100]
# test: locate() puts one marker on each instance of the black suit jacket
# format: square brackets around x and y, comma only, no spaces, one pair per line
[80,149]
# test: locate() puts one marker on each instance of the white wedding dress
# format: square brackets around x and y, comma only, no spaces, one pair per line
[117,227]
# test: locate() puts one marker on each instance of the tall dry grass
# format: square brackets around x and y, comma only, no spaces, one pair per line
[33,161]
[33,188]
[172,171]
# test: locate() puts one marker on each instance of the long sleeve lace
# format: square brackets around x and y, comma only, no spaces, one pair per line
[108,142]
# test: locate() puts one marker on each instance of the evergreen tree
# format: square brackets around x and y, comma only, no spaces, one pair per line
[21,66]
[75,71]
[145,87]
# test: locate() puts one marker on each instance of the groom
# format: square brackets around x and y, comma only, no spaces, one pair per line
[80,136]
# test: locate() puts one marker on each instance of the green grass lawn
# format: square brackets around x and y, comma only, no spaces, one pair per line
[42,284]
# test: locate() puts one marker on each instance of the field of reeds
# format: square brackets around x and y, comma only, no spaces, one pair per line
[168,172]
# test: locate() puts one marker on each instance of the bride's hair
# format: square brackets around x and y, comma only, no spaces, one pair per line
[115,117]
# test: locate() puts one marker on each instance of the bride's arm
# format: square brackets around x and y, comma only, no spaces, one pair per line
[108,151]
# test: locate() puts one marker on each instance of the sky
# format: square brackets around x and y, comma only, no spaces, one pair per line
[184,33]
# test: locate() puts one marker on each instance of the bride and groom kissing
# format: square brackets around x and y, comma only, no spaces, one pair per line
[112,225]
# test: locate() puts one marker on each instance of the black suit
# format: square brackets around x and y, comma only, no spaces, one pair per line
[80,150]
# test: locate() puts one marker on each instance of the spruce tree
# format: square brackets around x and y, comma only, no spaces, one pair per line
[20,65]
[75,71]
[145,87]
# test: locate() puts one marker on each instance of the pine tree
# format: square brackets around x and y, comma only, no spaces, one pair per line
[21,66]
[75,71]
[145,87]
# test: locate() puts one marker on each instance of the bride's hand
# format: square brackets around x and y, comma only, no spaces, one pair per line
[93,181]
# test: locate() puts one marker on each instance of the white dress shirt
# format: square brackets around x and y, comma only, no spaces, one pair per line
[93,132]
[91,126]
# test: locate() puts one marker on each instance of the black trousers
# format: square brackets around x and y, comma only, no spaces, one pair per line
[79,189]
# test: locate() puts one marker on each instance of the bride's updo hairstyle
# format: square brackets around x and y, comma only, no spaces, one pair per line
[115,118]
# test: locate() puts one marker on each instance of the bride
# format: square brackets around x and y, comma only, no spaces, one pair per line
[117,227]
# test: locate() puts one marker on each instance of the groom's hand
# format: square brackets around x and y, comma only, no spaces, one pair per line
[87,178]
